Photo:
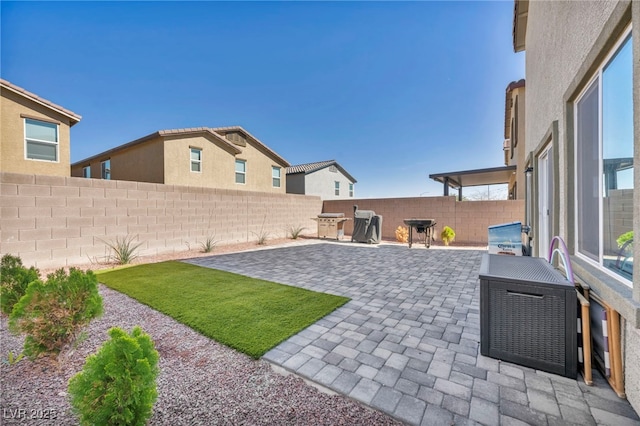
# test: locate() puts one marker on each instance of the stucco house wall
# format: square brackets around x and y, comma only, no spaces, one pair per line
[322,183]
[15,107]
[566,42]
[165,157]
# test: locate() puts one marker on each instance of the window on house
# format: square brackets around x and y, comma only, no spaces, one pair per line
[86,172]
[105,169]
[275,176]
[196,160]
[337,187]
[350,190]
[41,140]
[241,171]
[604,165]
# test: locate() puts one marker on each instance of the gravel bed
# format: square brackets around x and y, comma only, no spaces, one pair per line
[200,380]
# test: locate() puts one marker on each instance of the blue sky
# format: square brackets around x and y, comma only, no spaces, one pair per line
[393,91]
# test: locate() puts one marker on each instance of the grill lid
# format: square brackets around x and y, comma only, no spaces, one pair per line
[331,215]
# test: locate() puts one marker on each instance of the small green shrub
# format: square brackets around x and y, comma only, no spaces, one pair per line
[208,244]
[14,279]
[447,235]
[13,359]
[51,314]
[295,231]
[117,385]
[124,249]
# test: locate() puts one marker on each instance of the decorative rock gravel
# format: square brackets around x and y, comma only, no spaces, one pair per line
[200,380]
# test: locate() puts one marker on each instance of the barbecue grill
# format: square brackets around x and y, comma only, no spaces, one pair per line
[422,226]
[331,225]
[367,226]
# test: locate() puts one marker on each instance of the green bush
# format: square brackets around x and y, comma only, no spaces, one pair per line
[447,235]
[624,238]
[14,279]
[52,313]
[117,385]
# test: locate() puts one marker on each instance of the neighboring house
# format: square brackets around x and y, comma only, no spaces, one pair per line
[514,144]
[583,143]
[326,179]
[34,133]
[222,157]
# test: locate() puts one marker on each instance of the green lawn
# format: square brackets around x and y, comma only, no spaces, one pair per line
[247,314]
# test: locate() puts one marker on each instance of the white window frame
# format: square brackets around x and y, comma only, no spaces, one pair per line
[86,172]
[596,77]
[40,141]
[275,169]
[193,149]
[336,188]
[243,173]
[105,172]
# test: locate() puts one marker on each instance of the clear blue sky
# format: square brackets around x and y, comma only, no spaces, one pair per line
[393,91]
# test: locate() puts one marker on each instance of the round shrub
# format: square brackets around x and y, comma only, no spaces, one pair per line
[117,385]
[51,314]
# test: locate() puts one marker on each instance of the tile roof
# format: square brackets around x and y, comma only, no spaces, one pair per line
[75,118]
[314,167]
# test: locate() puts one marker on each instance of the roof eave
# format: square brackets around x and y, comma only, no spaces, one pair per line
[520,15]
[72,116]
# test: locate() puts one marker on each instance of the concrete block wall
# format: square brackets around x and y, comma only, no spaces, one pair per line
[469,219]
[52,221]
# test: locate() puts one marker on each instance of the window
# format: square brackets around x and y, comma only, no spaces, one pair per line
[196,160]
[275,176]
[241,171]
[86,172]
[337,188]
[350,190]
[604,165]
[105,169]
[41,140]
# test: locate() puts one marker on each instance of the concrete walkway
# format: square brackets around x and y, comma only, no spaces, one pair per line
[408,341]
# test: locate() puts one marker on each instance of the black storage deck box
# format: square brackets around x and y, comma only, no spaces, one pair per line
[528,314]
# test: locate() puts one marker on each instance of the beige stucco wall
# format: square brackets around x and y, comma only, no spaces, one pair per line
[12,137]
[322,183]
[141,162]
[565,43]
[518,158]
[258,177]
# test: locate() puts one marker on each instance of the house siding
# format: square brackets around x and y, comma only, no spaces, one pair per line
[322,184]
[565,44]
[12,137]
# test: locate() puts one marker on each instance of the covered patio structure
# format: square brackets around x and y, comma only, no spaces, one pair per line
[477,177]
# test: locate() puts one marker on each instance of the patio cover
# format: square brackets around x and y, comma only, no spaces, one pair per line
[478,177]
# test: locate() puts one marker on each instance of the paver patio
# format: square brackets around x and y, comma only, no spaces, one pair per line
[408,341]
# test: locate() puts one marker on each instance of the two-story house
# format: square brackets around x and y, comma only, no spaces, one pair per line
[34,133]
[222,157]
[514,151]
[326,179]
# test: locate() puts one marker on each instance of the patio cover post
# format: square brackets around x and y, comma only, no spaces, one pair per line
[446,186]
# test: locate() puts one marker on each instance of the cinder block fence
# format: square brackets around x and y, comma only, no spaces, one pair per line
[52,221]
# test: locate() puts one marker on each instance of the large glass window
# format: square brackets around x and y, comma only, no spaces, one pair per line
[241,171]
[86,172]
[41,140]
[337,188]
[105,169]
[275,176]
[604,165]
[350,190]
[196,160]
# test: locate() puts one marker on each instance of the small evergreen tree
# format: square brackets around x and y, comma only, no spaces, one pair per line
[52,313]
[117,385]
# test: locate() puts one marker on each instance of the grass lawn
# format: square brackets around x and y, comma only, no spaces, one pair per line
[247,314]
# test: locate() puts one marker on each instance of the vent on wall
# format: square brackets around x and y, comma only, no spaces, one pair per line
[333,169]
[506,145]
[236,138]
